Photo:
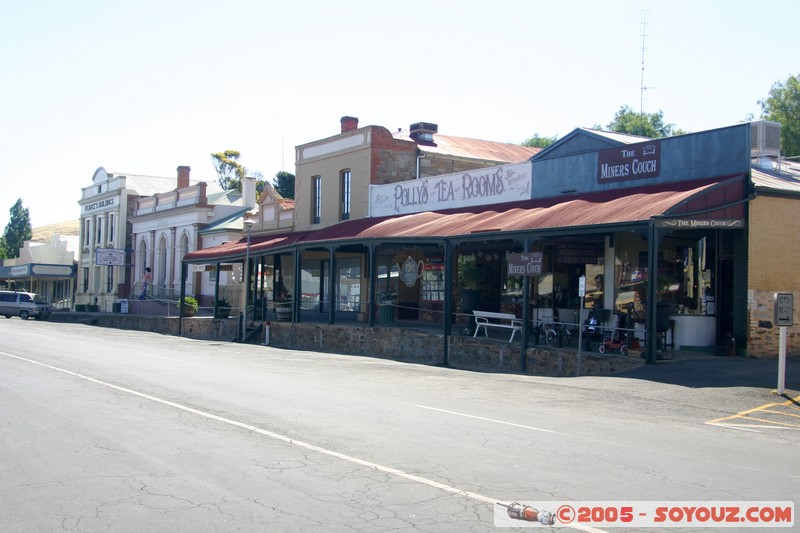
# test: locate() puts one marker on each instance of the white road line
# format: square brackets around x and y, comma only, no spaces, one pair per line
[270,434]
[486,419]
[163,357]
[288,440]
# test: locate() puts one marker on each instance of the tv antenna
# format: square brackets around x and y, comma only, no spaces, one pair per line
[642,86]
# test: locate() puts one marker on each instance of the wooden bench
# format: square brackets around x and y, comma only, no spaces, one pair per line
[488,319]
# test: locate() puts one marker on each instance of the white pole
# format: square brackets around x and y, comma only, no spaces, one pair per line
[782,361]
[246,273]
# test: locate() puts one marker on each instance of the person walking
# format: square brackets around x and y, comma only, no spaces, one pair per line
[146,280]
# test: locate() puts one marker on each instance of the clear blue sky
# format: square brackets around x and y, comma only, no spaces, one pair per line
[144,86]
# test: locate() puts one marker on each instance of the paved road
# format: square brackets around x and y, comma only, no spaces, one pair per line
[113,430]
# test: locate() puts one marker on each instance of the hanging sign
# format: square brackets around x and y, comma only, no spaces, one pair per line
[529,264]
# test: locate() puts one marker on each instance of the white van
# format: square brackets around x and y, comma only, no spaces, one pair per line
[24,305]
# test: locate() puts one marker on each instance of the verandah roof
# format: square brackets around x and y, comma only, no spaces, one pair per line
[717,198]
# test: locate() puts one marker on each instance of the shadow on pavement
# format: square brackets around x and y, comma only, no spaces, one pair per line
[720,372]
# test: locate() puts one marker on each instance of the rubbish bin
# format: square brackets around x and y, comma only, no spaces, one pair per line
[387,313]
[116,307]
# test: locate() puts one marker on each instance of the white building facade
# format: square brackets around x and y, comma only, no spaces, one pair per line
[106,251]
[167,226]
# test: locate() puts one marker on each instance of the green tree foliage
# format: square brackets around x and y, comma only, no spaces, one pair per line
[783,105]
[538,141]
[643,124]
[284,184]
[229,171]
[17,231]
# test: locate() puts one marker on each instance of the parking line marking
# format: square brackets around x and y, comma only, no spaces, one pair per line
[485,419]
[289,440]
[745,416]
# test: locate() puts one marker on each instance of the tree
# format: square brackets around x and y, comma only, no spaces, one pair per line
[538,141]
[17,231]
[644,124]
[783,105]
[229,171]
[284,184]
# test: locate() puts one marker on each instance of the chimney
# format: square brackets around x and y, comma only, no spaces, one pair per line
[349,124]
[203,196]
[249,192]
[183,176]
[423,131]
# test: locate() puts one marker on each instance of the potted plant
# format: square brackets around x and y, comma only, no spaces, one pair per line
[283,310]
[469,278]
[469,274]
[223,309]
[189,305]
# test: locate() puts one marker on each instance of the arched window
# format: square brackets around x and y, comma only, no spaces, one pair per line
[141,259]
[184,245]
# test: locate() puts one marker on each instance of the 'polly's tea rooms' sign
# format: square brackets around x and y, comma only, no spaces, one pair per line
[482,186]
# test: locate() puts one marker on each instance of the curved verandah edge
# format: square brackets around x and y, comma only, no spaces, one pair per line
[523,238]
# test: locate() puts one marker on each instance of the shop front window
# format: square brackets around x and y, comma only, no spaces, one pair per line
[349,290]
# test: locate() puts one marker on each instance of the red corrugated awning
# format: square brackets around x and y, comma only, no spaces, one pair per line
[717,198]
[236,251]
[594,209]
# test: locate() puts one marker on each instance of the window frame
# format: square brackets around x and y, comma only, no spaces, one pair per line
[316,199]
[345,181]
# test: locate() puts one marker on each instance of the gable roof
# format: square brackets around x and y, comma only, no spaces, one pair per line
[581,140]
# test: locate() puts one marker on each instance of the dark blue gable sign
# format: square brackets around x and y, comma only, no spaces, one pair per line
[629,162]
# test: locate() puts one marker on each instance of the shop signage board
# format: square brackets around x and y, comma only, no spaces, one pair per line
[493,185]
[629,162]
[700,223]
[529,264]
[109,256]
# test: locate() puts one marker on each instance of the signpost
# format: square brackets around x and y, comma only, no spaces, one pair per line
[582,294]
[784,314]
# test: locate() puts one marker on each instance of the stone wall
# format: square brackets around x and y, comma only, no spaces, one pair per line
[463,352]
[397,344]
[194,328]
[390,343]
[764,335]
[487,355]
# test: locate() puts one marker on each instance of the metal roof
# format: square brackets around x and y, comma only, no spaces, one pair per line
[580,211]
[786,179]
[235,251]
[472,148]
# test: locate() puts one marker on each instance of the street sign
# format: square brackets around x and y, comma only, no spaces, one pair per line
[784,309]
[582,286]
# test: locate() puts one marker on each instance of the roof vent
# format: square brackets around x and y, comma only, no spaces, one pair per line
[765,139]
[423,130]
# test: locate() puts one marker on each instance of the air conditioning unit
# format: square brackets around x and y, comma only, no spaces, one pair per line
[765,139]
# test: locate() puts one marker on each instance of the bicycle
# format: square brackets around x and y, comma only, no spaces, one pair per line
[566,334]
[547,331]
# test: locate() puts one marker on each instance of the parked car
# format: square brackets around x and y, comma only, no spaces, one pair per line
[24,305]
